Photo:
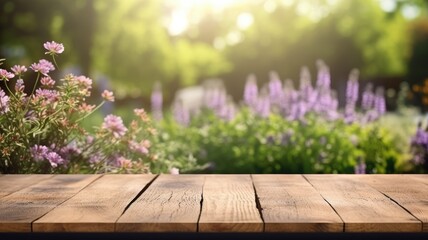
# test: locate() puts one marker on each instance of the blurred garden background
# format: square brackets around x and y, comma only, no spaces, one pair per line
[148,51]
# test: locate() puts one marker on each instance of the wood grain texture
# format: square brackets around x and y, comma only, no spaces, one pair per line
[171,204]
[229,205]
[11,183]
[18,210]
[291,204]
[96,208]
[419,177]
[408,193]
[361,207]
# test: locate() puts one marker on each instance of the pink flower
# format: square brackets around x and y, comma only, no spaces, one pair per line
[4,102]
[84,82]
[124,163]
[43,67]
[18,69]
[138,147]
[114,124]
[84,107]
[108,96]
[5,75]
[53,48]
[19,85]
[47,81]
[140,112]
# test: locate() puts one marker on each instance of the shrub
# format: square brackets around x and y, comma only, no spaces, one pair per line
[281,129]
[41,132]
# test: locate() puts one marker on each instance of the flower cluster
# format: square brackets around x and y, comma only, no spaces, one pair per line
[280,128]
[41,132]
[419,147]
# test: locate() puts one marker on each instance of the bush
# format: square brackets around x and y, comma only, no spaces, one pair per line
[41,132]
[283,130]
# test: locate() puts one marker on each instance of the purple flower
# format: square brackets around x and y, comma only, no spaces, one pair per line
[156,101]
[227,112]
[352,88]
[43,67]
[53,48]
[19,85]
[368,98]
[251,91]
[323,77]
[379,101]
[138,147]
[70,150]
[263,107]
[50,96]
[4,102]
[350,114]
[5,75]
[306,92]
[18,69]
[360,168]
[39,152]
[47,81]
[95,158]
[54,159]
[114,125]
[181,114]
[275,88]
[215,98]
[421,136]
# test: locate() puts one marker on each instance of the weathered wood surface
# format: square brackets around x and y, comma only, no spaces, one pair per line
[96,208]
[363,208]
[213,203]
[12,183]
[20,209]
[229,205]
[291,204]
[172,203]
[412,197]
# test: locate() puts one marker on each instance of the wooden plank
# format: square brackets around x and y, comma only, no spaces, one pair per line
[407,192]
[20,209]
[291,204]
[96,208]
[419,177]
[361,207]
[229,205]
[11,183]
[171,204]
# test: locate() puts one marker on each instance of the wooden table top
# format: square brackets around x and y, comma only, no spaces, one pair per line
[213,203]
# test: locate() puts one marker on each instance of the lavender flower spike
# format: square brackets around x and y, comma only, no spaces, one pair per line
[275,88]
[368,98]
[323,77]
[379,101]
[352,88]
[156,101]
[251,91]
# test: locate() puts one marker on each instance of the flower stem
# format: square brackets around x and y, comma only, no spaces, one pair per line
[56,65]
[95,109]
[11,93]
[32,92]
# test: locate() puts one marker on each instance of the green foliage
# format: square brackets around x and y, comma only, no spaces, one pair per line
[249,144]
[137,51]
